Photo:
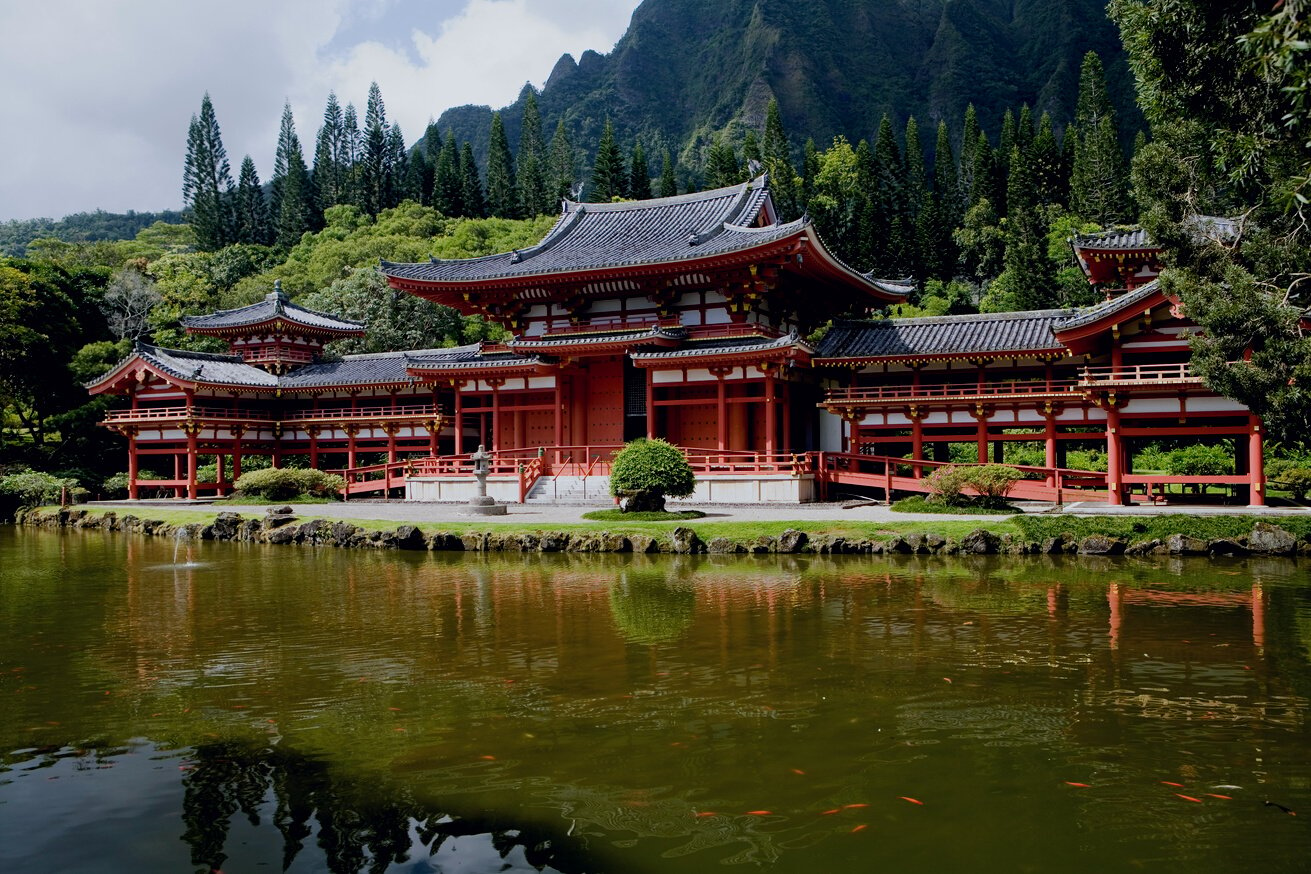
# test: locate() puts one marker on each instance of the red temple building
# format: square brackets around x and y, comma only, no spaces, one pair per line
[704,320]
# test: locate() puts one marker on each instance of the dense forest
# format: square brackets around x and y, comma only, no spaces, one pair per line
[978,213]
[82,227]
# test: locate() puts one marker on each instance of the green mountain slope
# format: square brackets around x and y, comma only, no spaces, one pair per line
[687,69]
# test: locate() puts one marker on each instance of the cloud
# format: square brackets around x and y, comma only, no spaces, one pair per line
[97,93]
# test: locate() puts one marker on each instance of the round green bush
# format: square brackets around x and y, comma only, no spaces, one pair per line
[1201,460]
[652,466]
[281,484]
[992,481]
[1298,481]
[947,484]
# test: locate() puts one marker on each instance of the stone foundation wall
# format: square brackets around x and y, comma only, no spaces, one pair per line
[282,526]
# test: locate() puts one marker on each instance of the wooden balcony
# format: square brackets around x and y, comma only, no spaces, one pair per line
[1139,375]
[226,415]
[950,393]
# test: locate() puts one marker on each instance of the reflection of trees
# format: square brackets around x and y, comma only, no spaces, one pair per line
[649,607]
[359,827]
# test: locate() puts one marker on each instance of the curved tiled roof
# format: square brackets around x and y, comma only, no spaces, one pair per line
[276,305]
[206,367]
[1116,238]
[984,333]
[591,236]
[724,345]
[626,337]
[467,358]
[1079,318]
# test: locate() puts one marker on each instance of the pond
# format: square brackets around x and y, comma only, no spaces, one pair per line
[179,706]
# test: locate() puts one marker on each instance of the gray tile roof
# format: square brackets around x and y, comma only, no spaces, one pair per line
[275,305]
[206,367]
[1116,238]
[979,334]
[583,339]
[386,368]
[466,358]
[600,235]
[1079,318]
[720,346]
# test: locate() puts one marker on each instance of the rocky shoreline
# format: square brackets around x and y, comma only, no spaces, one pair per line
[281,526]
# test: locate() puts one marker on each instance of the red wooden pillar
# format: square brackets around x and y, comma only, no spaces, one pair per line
[459,419]
[1114,457]
[787,416]
[391,442]
[771,416]
[496,414]
[192,463]
[351,431]
[218,463]
[917,439]
[722,411]
[1256,463]
[236,453]
[1049,441]
[314,446]
[982,436]
[133,464]
[650,405]
[178,491]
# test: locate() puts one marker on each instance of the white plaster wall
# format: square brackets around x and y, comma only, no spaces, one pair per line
[751,490]
[460,489]
[830,431]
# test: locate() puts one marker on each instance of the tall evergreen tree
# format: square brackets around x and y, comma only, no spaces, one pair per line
[502,198]
[776,155]
[969,142]
[397,167]
[1024,132]
[375,158]
[417,185]
[751,148]
[331,157]
[293,202]
[474,204]
[207,187]
[639,175]
[918,221]
[890,196]
[1099,186]
[1045,156]
[1005,143]
[668,181]
[946,177]
[252,216]
[810,171]
[447,182]
[722,168]
[944,211]
[563,166]
[535,196]
[1028,280]
[609,176]
[352,146]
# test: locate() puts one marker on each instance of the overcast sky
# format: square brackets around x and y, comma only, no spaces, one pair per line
[96,95]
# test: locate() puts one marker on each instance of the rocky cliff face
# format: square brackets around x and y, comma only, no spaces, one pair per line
[687,69]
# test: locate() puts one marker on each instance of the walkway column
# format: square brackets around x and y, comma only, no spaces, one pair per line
[496,413]
[559,414]
[133,465]
[771,416]
[982,436]
[459,419]
[192,461]
[237,434]
[351,431]
[313,431]
[1256,462]
[1114,457]
[917,438]
[722,411]
[390,428]
[218,464]
[650,405]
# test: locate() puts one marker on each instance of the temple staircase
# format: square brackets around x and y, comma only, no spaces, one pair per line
[565,489]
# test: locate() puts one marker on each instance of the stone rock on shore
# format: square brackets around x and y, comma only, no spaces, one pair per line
[1268,539]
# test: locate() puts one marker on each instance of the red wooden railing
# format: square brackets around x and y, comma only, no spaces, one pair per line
[229,414]
[895,474]
[1140,373]
[903,393]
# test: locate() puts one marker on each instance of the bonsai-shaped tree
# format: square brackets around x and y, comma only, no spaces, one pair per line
[645,472]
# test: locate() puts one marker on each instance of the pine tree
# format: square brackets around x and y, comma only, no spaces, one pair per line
[396,167]
[1024,132]
[722,168]
[776,155]
[331,157]
[502,198]
[946,178]
[639,175]
[293,202]
[810,169]
[563,165]
[890,198]
[751,149]
[668,181]
[1099,189]
[609,176]
[352,146]
[945,211]
[916,194]
[417,185]
[1005,143]
[871,223]
[535,196]
[253,224]
[471,186]
[447,184]
[375,157]
[969,142]
[207,187]
[1028,280]
[1045,156]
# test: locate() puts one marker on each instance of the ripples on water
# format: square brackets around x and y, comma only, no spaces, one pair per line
[243,707]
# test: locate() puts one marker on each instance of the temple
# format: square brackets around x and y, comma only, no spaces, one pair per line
[705,320]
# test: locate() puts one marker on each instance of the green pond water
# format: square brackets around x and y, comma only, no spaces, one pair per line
[194,707]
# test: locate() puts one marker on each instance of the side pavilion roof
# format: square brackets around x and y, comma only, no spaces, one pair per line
[275,307]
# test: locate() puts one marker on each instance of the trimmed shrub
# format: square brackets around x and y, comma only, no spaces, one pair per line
[992,481]
[1200,460]
[31,488]
[1298,481]
[947,484]
[274,484]
[649,470]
